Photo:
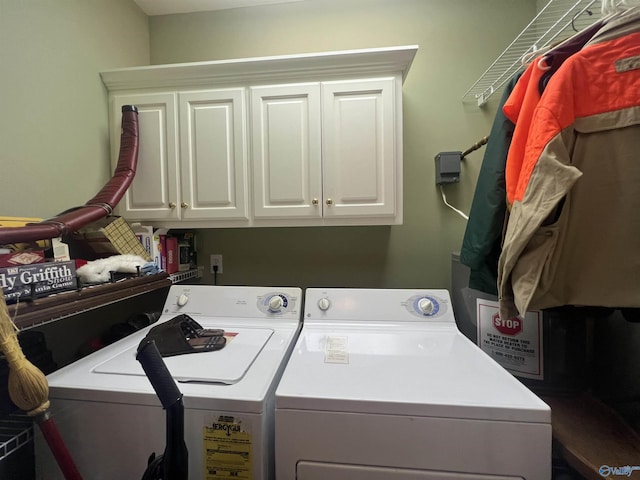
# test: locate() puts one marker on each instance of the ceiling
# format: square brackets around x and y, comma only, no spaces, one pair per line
[166,7]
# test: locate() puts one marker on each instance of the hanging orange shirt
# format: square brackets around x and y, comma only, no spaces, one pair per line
[519,108]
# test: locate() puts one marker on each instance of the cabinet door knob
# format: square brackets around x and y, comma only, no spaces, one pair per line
[184,205]
[172,204]
[314,201]
[329,201]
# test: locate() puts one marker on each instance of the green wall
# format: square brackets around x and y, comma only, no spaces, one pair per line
[54,122]
[458,39]
[54,137]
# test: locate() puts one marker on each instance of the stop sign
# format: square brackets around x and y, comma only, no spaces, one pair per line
[510,326]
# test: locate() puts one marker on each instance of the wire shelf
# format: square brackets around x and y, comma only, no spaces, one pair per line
[558,18]
[15,432]
[182,276]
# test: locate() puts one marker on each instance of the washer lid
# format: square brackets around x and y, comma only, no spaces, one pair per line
[417,373]
[226,366]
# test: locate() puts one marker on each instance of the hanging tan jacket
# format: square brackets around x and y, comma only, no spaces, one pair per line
[573,235]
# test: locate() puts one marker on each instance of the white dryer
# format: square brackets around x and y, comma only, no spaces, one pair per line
[111,419]
[381,385]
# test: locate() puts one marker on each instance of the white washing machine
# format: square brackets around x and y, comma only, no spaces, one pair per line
[111,419]
[381,385]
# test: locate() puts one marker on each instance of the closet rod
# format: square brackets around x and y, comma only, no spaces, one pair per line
[474,147]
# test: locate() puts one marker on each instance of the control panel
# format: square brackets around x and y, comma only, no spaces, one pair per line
[274,303]
[378,304]
[425,305]
[231,301]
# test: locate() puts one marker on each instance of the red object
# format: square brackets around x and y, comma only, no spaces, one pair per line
[51,434]
[80,262]
[172,255]
[508,326]
[99,206]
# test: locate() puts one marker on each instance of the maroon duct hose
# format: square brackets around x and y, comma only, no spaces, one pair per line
[99,206]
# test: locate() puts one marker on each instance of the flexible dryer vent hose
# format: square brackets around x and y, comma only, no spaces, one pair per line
[99,206]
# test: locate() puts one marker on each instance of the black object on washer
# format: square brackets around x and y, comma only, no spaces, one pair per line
[173,463]
[182,334]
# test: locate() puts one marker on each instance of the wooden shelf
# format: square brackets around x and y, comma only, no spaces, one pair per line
[592,435]
[55,307]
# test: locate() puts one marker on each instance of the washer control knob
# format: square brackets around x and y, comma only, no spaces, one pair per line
[183,299]
[425,306]
[275,303]
[324,303]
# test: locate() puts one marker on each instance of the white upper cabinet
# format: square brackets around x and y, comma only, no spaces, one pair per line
[192,161]
[286,151]
[326,151]
[362,162]
[153,194]
[213,156]
[276,141]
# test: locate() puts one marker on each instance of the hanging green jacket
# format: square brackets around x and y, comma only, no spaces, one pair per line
[481,245]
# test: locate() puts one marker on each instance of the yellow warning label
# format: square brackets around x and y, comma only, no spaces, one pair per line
[227,450]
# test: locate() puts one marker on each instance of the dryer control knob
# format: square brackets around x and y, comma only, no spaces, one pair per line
[275,303]
[425,306]
[324,303]
[183,299]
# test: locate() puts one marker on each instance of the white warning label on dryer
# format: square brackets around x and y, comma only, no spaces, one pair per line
[336,349]
[515,343]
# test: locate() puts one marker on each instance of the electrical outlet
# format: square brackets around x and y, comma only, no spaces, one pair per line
[216,260]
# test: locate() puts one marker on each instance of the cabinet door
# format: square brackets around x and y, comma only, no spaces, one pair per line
[153,194]
[213,154]
[286,151]
[361,143]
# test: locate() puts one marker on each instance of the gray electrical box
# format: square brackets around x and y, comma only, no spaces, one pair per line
[448,167]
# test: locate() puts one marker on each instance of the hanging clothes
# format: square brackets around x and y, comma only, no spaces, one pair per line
[555,57]
[521,105]
[519,108]
[483,235]
[482,242]
[573,230]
